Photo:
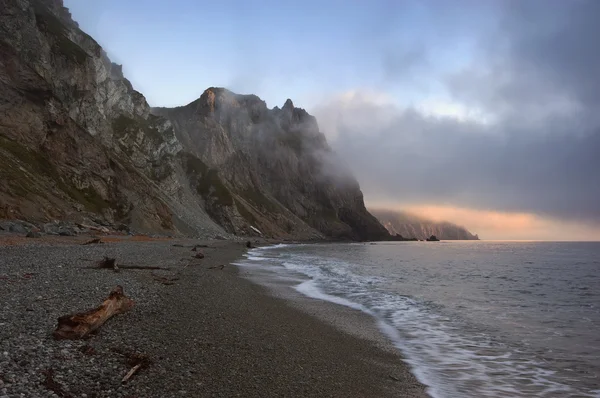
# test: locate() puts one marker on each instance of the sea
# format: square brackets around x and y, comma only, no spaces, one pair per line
[470,318]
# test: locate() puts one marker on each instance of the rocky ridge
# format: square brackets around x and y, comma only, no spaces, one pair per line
[409,225]
[78,143]
[277,169]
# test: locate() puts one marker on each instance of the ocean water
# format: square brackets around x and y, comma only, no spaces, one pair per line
[472,319]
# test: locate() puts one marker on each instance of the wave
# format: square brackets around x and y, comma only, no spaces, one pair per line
[444,354]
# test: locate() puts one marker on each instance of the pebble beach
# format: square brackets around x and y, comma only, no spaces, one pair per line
[202,330]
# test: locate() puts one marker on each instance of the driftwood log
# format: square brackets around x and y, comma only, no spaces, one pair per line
[80,325]
[131,372]
[164,279]
[93,241]
[137,361]
[111,263]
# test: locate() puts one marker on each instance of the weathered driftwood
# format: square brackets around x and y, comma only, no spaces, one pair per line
[93,241]
[164,280]
[135,360]
[124,266]
[131,372]
[80,325]
[217,266]
[111,263]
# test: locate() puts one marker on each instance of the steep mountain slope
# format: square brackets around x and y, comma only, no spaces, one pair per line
[275,163]
[411,226]
[78,143]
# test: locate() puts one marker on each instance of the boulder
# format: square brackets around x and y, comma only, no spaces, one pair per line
[51,228]
[17,228]
[67,231]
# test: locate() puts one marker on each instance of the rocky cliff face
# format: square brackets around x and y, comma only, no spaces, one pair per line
[78,143]
[410,226]
[276,166]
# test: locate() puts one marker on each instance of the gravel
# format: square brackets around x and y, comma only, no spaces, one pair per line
[39,283]
[208,333]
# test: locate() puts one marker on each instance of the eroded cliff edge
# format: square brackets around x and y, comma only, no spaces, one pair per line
[410,225]
[78,143]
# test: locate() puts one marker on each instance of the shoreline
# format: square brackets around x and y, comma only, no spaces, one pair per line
[210,333]
[344,317]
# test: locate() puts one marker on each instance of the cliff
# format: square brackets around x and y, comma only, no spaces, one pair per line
[276,165]
[79,143]
[411,226]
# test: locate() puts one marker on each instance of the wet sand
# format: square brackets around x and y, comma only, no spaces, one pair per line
[211,333]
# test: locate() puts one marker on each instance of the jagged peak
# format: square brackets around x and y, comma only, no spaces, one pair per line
[213,97]
[288,104]
[216,91]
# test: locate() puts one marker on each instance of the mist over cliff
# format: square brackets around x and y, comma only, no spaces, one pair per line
[79,143]
[409,225]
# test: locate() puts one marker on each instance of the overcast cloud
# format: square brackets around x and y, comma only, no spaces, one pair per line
[526,136]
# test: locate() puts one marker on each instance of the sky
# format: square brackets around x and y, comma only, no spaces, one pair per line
[483,113]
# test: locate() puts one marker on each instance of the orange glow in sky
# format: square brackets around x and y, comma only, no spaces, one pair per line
[494,225]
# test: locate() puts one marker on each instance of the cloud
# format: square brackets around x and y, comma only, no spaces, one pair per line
[493,225]
[519,130]
[402,64]
[412,157]
[539,64]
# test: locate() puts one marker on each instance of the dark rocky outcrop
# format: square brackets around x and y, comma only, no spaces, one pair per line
[79,144]
[400,238]
[410,226]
